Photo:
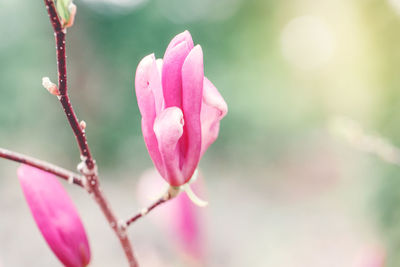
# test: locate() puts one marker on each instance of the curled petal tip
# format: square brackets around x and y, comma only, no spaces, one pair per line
[168,128]
[146,80]
[169,124]
[182,37]
[196,52]
[145,62]
[198,47]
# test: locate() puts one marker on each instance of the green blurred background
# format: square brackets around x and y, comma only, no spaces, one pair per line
[284,190]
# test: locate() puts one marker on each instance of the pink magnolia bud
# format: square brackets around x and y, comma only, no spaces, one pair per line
[370,256]
[181,109]
[183,221]
[55,216]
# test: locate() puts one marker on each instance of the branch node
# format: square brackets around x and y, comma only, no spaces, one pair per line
[172,192]
[122,225]
[144,211]
[84,169]
[70,179]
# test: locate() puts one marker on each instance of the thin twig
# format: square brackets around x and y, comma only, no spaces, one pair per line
[43,165]
[146,211]
[79,133]
[352,132]
[89,168]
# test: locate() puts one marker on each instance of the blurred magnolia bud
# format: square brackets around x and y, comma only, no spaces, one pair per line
[180,218]
[370,256]
[55,216]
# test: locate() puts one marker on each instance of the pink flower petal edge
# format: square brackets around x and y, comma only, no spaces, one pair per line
[55,216]
[177,81]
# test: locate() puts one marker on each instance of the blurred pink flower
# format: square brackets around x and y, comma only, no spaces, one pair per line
[181,109]
[55,216]
[179,217]
[370,256]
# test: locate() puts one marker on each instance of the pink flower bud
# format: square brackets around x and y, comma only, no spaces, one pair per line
[55,216]
[181,109]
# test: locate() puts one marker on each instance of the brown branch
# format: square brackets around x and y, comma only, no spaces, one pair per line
[43,165]
[88,166]
[146,211]
[79,133]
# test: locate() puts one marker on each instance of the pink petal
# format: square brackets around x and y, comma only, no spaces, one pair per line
[168,128]
[149,98]
[192,84]
[148,86]
[55,216]
[159,63]
[182,37]
[214,108]
[172,76]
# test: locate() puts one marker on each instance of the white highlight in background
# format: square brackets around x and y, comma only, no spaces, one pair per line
[396,5]
[307,43]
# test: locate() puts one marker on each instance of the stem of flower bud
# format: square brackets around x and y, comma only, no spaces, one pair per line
[43,165]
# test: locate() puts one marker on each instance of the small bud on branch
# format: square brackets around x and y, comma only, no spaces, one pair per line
[66,10]
[72,11]
[50,86]
[83,125]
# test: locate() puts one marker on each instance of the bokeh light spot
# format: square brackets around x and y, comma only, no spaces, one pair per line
[307,42]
